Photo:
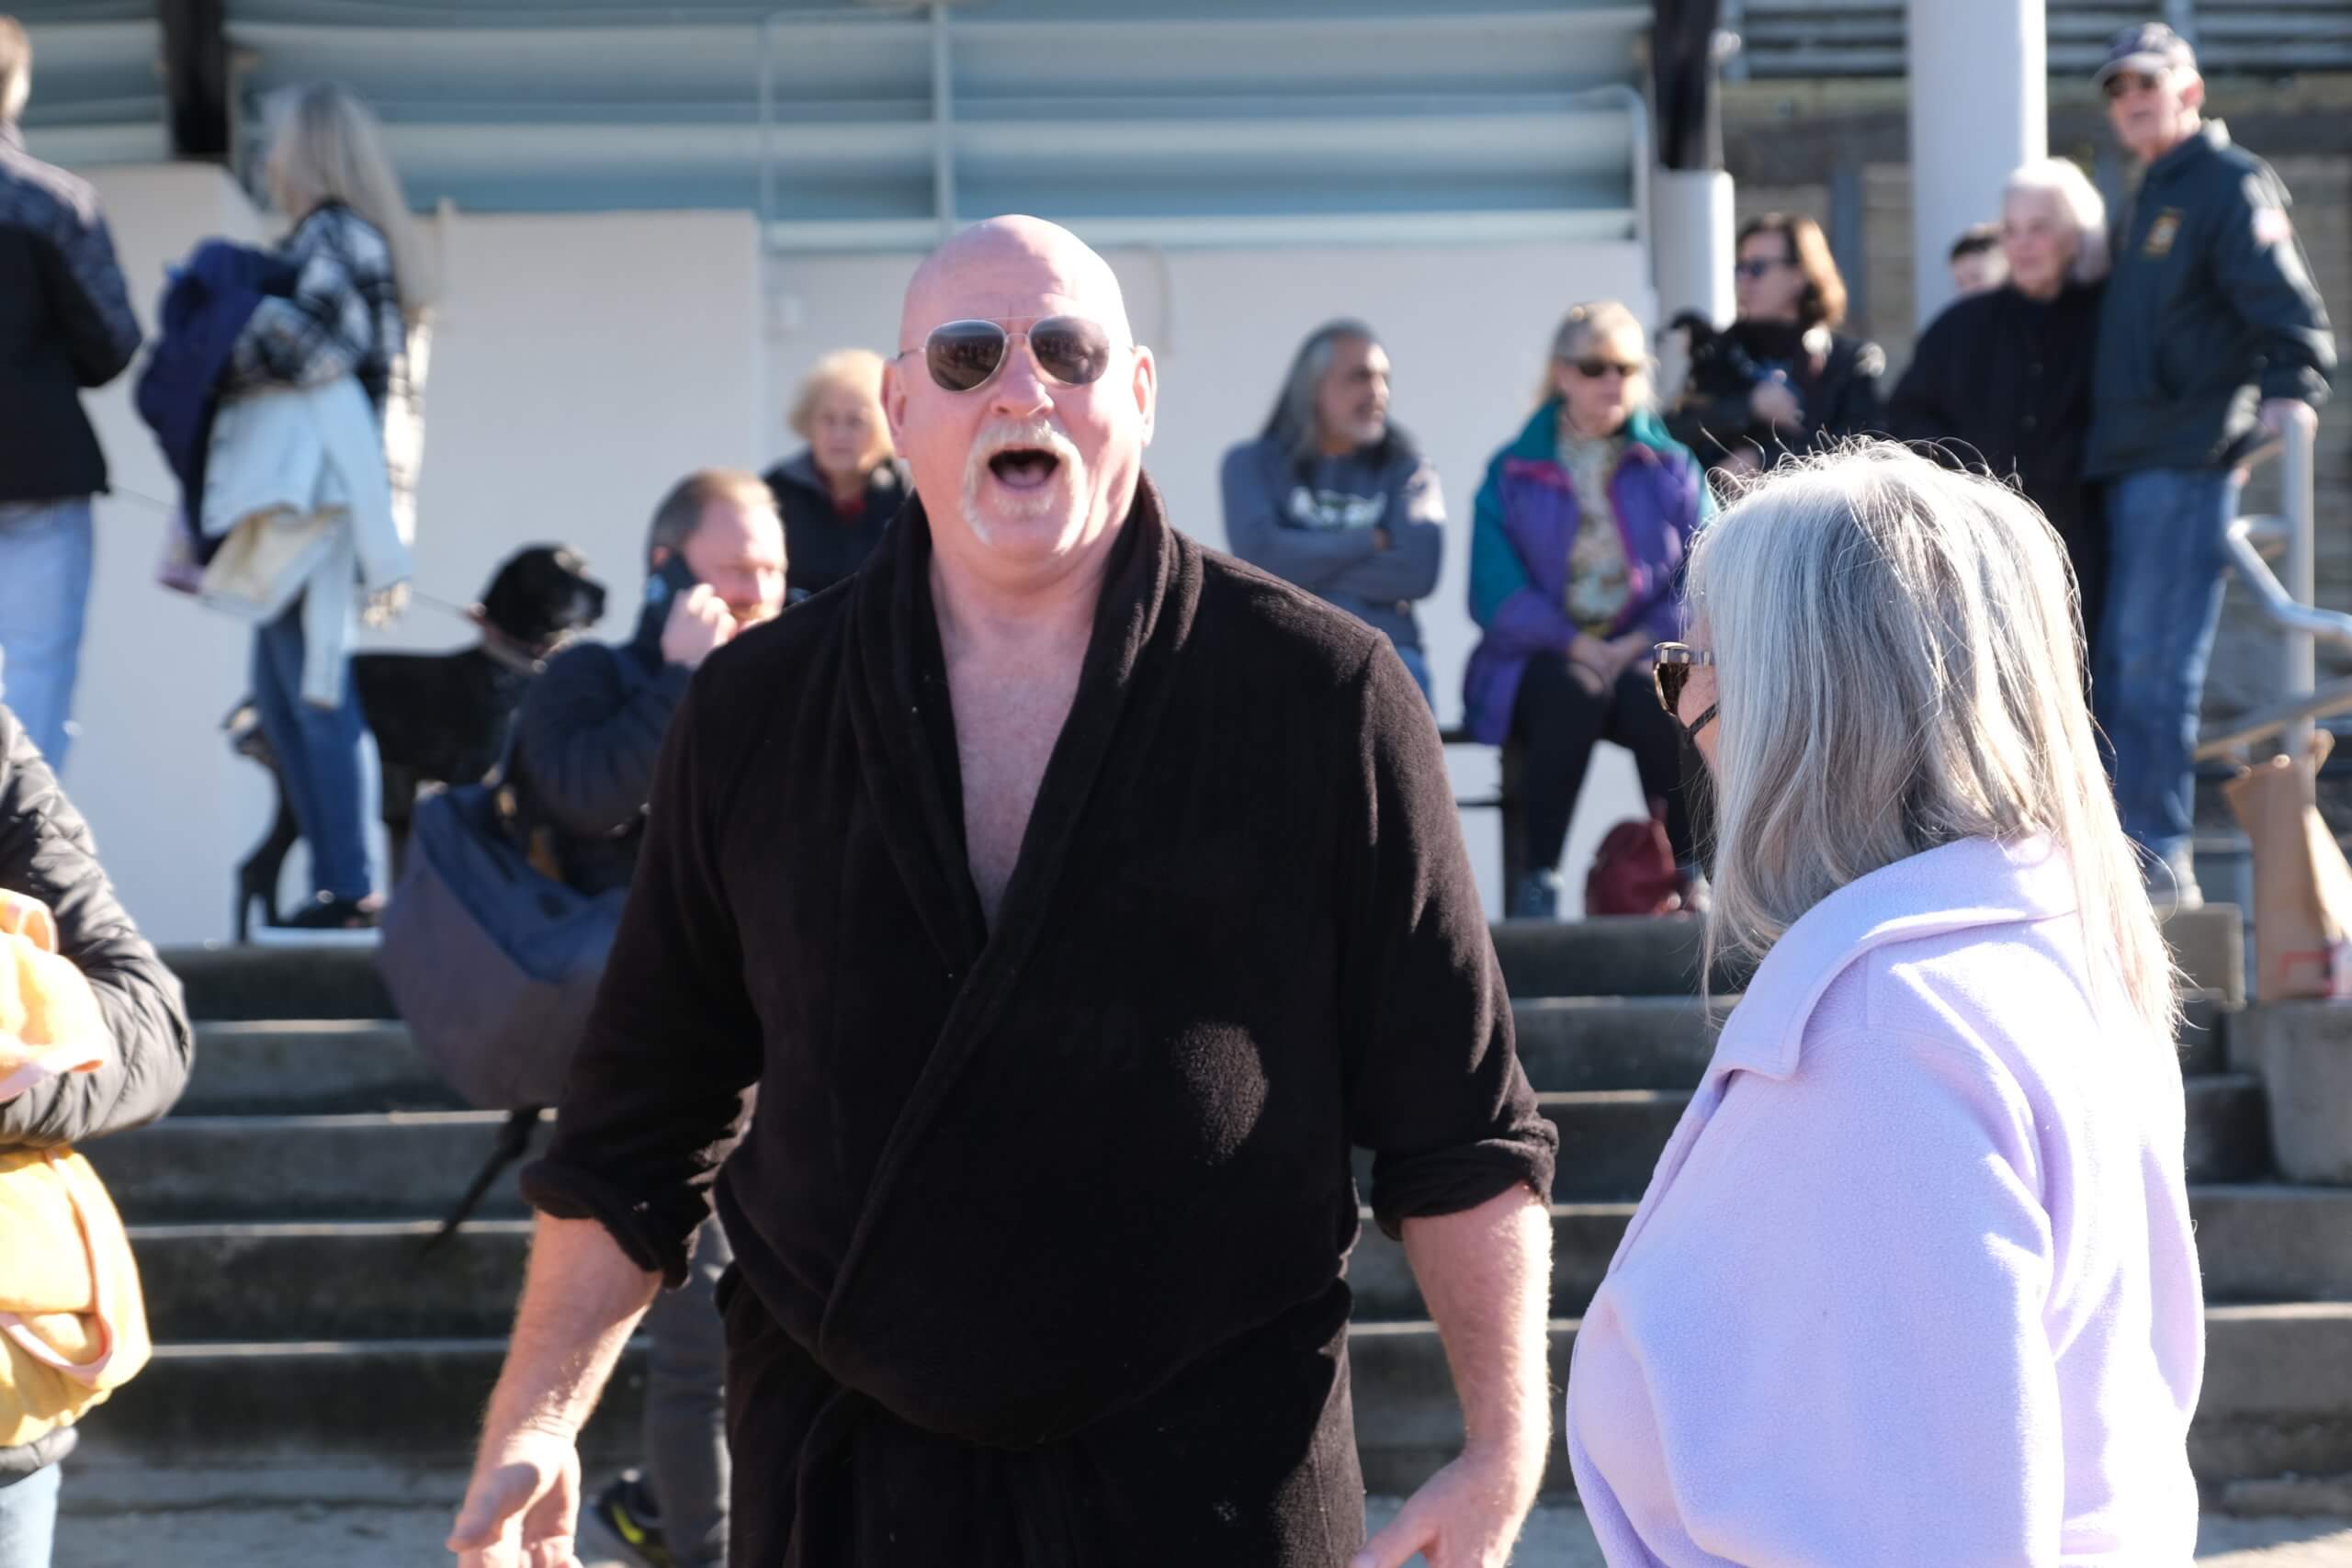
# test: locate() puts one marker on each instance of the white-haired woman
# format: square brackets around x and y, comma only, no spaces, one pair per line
[1913,1281]
[837,496]
[2003,379]
[361,282]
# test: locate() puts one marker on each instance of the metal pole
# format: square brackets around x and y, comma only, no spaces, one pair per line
[943,110]
[767,125]
[2297,670]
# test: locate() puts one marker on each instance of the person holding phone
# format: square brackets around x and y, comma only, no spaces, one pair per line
[591,728]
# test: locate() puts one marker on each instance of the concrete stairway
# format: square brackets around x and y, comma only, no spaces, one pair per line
[279,1214]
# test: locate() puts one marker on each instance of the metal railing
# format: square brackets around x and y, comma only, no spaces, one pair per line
[2288,605]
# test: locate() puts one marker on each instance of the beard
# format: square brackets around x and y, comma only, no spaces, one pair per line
[1063,490]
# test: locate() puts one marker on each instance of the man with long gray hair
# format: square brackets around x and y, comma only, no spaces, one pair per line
[1334,497]
[65,323]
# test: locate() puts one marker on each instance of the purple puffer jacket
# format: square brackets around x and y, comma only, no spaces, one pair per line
[1526,520]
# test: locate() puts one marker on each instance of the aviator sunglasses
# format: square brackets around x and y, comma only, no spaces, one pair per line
[1670,667]
[965,355]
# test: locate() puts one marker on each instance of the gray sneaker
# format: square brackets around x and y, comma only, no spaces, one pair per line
[2171,885]
[1536,897]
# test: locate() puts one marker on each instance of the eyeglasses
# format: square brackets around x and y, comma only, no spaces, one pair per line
[962,356]
[1594,369]
[1761,267]
[1670,667]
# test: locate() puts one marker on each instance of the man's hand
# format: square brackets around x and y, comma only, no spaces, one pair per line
[522,1509]
[699,623]
[1467,1515]
[2278,413]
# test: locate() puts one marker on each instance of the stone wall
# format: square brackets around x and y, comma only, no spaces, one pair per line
[1802,151]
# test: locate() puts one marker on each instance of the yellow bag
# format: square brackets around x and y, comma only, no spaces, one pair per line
[72,1321]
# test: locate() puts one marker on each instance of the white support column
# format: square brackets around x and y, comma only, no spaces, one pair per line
[1979,108]
[1690,242]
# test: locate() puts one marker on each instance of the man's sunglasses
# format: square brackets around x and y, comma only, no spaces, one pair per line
[1761,267]
[1670,667]
[1594,369]
[2124,82]
[964,356]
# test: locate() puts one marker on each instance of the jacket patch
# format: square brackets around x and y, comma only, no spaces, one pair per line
[2162,233]
[2272,226]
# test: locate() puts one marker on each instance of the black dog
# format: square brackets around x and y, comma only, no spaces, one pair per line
[438,717]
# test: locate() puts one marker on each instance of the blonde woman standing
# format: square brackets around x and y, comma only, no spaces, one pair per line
[839,494]
[361,284]
[1913,1281]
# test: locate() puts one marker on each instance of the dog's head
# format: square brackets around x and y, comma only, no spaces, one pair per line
[542,597]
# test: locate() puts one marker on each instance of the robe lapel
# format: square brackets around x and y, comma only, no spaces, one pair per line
[1148,593]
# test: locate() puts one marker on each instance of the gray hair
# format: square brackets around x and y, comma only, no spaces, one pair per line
[1293,424]
[1899,657]
[16,69]
[325,146]
[2061,181]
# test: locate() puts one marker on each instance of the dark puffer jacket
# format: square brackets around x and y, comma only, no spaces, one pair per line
[45,851]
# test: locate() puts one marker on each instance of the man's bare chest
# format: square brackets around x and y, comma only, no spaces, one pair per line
[1006,729]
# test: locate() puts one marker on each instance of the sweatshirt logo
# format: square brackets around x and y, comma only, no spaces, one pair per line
[1322,509]
[2162,233]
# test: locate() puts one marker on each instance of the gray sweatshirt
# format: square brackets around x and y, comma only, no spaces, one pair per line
[1316,525]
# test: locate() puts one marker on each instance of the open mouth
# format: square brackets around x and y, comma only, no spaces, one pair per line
[1025,468]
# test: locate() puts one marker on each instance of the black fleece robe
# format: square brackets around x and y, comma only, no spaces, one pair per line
[1041,1230]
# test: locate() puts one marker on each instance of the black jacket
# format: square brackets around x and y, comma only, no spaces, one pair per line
[2209,310]
[1837,387]
[45,851]
[2006,383]
[586,738]
[821,545]
[65,323]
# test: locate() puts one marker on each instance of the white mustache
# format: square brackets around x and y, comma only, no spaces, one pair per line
[1010,434]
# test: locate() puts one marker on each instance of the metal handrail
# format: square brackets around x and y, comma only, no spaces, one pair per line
[2287,604]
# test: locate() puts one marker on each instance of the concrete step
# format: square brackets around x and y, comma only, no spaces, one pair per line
[414,1164]
[2266,1242]
[2278,1393]
[422,1400]
[243,983]
[365,1279]
[1615,956]
[2277,1397]
[395,1165]
[315,1066]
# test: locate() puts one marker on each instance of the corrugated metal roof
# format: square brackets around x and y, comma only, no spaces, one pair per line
[855,124]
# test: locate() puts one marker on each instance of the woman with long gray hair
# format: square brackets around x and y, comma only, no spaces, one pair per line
[361,284]
[1913,1280]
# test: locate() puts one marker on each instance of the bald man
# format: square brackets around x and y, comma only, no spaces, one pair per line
[1074,899]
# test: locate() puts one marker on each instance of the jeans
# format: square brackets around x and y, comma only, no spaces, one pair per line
[44,597]
[1416,664]
[27,1517]
[685,1407]
[318,757]
[1556,723]
[2164,602]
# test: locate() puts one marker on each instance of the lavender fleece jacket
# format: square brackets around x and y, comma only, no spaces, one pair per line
[1913,1280]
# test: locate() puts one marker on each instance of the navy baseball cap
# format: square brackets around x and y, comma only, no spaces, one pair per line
[2149,48]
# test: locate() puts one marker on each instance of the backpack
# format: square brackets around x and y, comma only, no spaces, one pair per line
[1633,872]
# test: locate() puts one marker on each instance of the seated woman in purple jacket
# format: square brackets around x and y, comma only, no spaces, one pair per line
[1576,565]
[1913,1281]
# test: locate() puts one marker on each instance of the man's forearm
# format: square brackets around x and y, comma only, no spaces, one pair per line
[581,1300]
[1485,1274]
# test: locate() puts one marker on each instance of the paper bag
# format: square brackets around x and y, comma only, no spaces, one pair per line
[2303,888]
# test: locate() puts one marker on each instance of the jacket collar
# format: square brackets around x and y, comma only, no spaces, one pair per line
[12,136]
[2210,137]
[1958,886]
[1539,438]
[802,470]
